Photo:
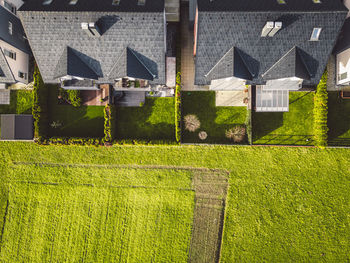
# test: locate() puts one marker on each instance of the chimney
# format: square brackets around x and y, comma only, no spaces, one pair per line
[267,29]
[85,27]
[278,26]
[94,29]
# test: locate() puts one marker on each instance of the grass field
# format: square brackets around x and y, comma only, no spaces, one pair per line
[286,128]
[284,204]
[214,120]
[155,120]
[85,121]
[96,214]
[338,119]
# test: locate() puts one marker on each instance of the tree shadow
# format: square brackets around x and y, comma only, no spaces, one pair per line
[338,120]
[264,123]
[133,123]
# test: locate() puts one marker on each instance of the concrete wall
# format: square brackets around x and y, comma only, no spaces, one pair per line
[343,66]
[20,64]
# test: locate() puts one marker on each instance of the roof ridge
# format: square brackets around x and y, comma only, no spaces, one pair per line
[220,60]
[2,57]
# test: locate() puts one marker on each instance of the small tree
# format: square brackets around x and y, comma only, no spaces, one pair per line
[192,123]
[236,134]
[320,113]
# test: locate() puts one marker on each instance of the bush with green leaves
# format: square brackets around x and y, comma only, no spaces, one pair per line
[40,106]
[248,124]
[109,126]
[320,113]
[178,107]
[74,97]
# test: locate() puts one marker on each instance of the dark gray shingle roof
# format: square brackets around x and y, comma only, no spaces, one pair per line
[218,32]
[50,33]
[16,39]
[290,65]
[343,41]
[270,5]
[94,6]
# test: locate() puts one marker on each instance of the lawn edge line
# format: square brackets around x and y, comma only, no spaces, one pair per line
[127,166]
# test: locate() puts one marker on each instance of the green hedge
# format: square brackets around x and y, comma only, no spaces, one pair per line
[248,124]
[109,126]
[40,106]
[74,97]
[99,141]
[178,108]
[320,113]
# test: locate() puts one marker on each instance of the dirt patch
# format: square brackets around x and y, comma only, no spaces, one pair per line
[208,219]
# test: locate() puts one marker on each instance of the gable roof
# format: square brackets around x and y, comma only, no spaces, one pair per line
[49,33]
[6,75]
[290,65]
[72,64]
[131,64]
[218,31]
[94,6]
[232,64]
[17,38]
[343,41]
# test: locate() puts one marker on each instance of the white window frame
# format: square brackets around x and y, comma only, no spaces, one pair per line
[10,28]
[317,31]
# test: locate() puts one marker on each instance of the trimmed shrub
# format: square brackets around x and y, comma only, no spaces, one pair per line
[237,134]
[99,141]
[320,113]
[74,97]
[248,124]
[40,106]
[192,123]
[109,126]
[178,108]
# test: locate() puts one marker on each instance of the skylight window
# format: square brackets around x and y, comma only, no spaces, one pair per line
[281,2]
[115,2]
[73,2]
[317,1]
[141,2]
[315,34]
[47,2]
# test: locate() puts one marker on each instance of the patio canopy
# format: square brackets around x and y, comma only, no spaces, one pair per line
[271,100]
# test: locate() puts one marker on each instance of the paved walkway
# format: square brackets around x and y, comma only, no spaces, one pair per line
[187,60]
[231,98]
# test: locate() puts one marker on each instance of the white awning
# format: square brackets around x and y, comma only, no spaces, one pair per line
[271,100]
[284,84]
[232,83]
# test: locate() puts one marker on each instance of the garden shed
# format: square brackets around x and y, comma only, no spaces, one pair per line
[17,127]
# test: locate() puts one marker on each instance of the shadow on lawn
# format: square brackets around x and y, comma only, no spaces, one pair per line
[135,123]
[214,120]
[338,120]
[264,123]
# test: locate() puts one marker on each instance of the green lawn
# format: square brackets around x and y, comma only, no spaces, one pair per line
[286,128]
[155,120]
[21,102]
[97,215]
[85,121]
[214,120]
[284,204]
[338,119]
